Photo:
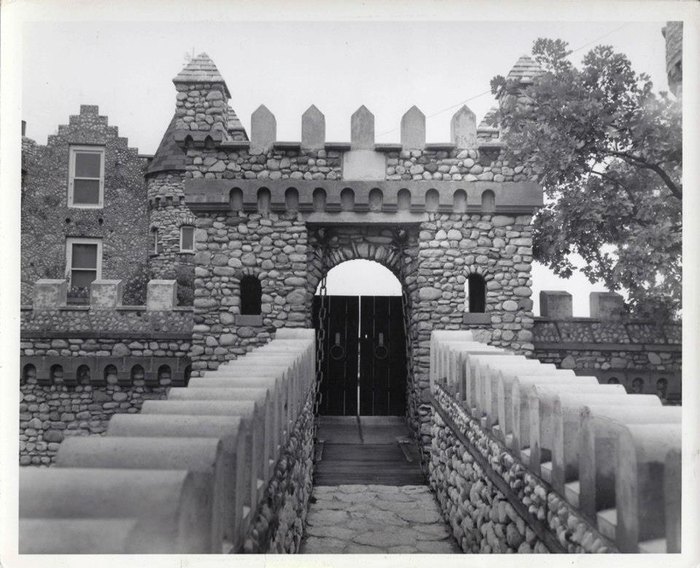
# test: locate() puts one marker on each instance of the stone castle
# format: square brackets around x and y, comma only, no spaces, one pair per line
[142,275]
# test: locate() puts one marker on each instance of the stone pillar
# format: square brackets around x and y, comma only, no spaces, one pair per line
[607,306]
[50,294]
[313,128]
[161,295]
[413,129]
[555,305]
[263,128]
[362,129]
[463,128]
[105,294]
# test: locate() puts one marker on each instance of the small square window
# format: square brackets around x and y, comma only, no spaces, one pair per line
[186,238]
[86,183]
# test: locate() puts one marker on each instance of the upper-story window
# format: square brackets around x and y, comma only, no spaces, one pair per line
[187,238]
[87,171]
[84,261]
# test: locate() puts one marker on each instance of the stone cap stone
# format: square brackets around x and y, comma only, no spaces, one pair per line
[556,304]
[607,306]
[50,294]
[161,295]
[201,69]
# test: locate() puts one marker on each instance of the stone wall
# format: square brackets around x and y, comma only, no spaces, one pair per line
[222,466]
[270,247]
[279,526]
[521,514]
[50,413]
[47,221]
[644,356]
[526,457]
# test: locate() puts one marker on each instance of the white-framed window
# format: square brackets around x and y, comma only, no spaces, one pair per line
[87,172]
[83,261]
[187,238]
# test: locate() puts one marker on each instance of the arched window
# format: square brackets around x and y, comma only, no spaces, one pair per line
[613,381]
[488,201]
[638,385]
[83,375]
[110,375]
[137,374]
[57,374]
[28,374]
[251,296]
[475,289]
[164,375]
[187,238]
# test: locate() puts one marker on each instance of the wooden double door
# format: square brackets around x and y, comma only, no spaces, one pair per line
[364,356]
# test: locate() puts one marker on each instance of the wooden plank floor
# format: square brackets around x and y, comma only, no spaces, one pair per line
[367,451]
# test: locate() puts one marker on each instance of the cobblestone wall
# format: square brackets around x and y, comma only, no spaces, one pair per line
[272,248]
[279,525]
[643,356]
[50,413]
[490,499]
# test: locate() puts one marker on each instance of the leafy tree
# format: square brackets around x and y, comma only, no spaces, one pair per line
[608,153]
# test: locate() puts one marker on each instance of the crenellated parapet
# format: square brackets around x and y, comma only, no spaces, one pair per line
[577,466]
[643,355]
[200,472]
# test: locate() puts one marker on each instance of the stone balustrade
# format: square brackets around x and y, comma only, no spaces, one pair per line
[592,468]
[195,473]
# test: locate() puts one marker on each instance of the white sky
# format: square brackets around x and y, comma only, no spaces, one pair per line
[126,68]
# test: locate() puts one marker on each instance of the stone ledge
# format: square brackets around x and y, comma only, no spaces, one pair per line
[476,318]
[249,320]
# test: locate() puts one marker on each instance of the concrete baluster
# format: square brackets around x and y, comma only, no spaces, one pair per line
[168,502]
[203,457]
[229,430]
[567,425]
[540,410]
[639,493]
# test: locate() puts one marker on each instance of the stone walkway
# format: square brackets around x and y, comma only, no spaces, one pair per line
[360,519]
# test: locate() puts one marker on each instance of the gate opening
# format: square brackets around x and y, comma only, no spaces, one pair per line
[365,348]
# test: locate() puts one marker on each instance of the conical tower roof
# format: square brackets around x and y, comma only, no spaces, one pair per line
[169,156]
[201,69]
[525,70]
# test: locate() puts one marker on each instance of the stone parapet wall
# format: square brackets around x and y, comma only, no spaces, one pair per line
[50,413]
[208,470]
[587,466]
[646,357]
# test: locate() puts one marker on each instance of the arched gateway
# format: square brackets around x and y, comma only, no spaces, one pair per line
[284,213]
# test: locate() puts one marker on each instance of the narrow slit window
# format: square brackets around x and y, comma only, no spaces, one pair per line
[251,296]
[476,290]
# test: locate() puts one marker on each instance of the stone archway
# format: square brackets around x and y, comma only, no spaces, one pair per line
[395,247]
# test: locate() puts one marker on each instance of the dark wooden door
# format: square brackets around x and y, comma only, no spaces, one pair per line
[339,387]
[366,335]
[382,356]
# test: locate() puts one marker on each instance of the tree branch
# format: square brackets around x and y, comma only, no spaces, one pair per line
[641,162]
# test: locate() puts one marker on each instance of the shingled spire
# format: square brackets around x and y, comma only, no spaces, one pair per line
[524,70]
[202,101]
[201,69]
